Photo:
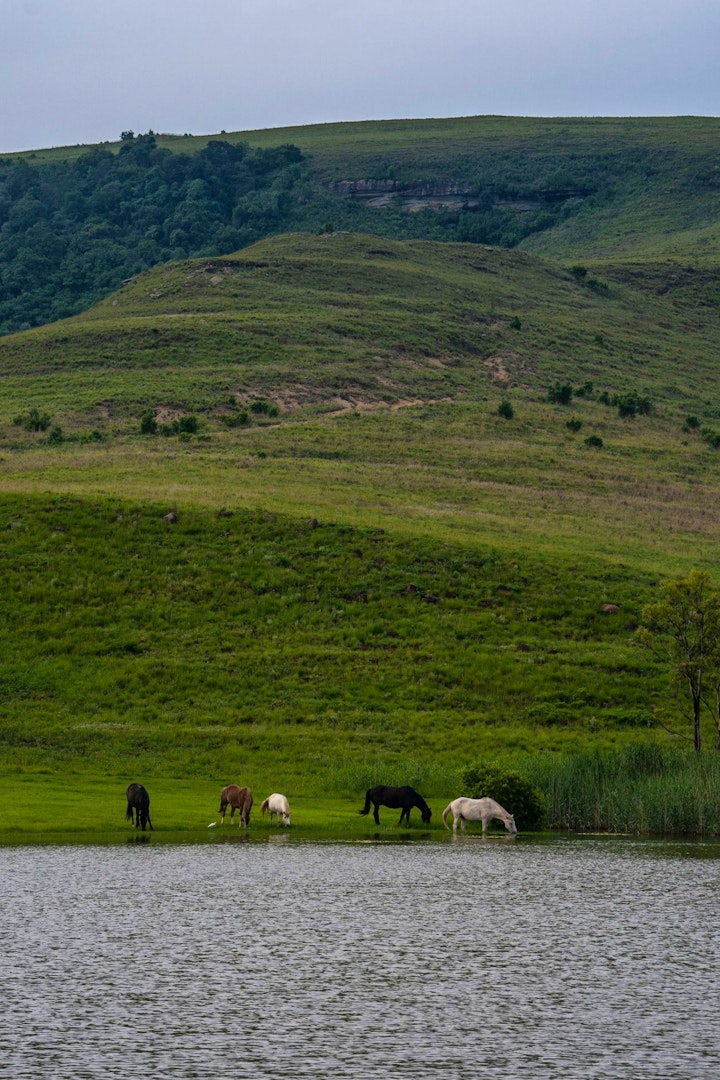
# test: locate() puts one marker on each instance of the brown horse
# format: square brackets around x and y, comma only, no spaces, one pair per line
[139,801]
[237,798]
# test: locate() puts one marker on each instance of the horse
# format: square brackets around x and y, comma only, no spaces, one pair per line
[139,801]
[237,798]
[278,805]
[394,797]
[477,810]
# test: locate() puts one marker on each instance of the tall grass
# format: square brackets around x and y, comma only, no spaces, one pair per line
[640,788]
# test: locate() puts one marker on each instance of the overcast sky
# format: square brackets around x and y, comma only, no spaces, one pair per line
[80,71]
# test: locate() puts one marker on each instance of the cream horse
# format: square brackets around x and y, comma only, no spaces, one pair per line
[277,804]
[477,810]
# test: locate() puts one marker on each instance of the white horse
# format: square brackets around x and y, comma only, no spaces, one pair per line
[277,804]
[477,810]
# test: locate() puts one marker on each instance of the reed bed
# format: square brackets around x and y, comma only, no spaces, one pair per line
[641,788]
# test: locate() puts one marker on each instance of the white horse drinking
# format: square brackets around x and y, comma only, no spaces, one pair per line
[484,810]
[278,805]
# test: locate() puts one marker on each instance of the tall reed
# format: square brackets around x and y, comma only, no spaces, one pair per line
[639,789]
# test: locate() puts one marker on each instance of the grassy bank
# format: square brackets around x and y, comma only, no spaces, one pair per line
[641,790]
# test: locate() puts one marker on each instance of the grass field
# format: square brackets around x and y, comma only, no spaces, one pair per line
[373,574]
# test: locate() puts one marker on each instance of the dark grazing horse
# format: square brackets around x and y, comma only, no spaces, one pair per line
[237,798]
[138,800]
[396,797]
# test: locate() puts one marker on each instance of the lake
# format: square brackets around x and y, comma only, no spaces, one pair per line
[538,957]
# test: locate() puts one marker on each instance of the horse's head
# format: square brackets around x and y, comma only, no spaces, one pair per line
[426,813]
[510,824]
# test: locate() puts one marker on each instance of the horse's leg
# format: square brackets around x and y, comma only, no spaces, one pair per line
[376,813]
[462,823]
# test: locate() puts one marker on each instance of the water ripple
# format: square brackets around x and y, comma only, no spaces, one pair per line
[585,959]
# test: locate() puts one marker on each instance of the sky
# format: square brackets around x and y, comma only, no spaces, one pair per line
[83,71]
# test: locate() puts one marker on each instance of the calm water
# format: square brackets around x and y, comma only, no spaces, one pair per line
[572,958]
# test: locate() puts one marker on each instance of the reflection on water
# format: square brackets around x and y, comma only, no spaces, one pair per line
[574,958]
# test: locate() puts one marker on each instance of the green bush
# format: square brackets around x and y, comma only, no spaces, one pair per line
[263,408]
[513,791]
[235,419]
[148,423]
[594,442]
[506,410]
[560,393]
[188,424]
[36,421]
[185,425]
[573,425]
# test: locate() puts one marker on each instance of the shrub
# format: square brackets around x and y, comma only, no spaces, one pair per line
[560,393]
[574,424]
[512,790]
[594,441]
[36,421]
[515,323]
[263,408]
[692,423]
[148,423]
[587,387]
[627,405]
[235,419]
[56,436]
[185,425]
[506,410]
[579,272]
[711,437]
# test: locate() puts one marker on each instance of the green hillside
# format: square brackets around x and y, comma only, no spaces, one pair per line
[408,477]
[383,362]
[76,222]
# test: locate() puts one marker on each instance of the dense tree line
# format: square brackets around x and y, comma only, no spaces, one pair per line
[70,232]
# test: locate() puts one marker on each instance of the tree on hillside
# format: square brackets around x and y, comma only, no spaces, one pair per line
[683,629]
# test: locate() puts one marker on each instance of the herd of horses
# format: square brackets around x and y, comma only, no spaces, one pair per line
[403,799]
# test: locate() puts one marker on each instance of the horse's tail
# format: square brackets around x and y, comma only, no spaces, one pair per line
[366,807]
[264,805]
[445,813]
[129,813]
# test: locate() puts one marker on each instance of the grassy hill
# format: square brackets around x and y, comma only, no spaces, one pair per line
[608,188]
[386,363]
[375,573]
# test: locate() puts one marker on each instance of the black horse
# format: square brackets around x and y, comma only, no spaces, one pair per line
[139,801]
[403,797]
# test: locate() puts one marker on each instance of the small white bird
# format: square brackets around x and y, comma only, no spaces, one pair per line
[212,824]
